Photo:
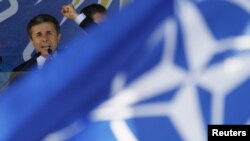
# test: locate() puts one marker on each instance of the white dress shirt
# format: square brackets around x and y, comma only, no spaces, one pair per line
[80,18]
[40,61]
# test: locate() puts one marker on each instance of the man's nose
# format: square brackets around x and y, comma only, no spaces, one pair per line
[45,38]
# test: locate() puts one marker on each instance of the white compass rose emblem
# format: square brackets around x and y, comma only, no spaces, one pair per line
[183,110]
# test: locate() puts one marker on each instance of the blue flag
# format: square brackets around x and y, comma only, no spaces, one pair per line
[160,70]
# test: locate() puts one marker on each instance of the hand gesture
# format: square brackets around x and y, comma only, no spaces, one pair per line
[69,11]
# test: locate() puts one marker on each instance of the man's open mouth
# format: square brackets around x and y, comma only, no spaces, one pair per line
[46,47]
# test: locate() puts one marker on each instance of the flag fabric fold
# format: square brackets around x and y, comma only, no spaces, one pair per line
[159,70]
[80,78]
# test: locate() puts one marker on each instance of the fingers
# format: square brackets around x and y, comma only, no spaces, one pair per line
[69,11]
[65,9]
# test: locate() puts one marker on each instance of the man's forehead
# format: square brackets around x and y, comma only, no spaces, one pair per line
[44,25]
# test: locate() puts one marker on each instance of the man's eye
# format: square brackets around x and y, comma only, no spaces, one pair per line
[50,33]
[38,35]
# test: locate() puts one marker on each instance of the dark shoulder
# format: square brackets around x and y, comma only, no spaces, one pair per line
[87,23]
[25,66]
[20,70]
[20,66]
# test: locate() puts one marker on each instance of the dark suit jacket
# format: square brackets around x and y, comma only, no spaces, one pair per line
[87,23]
[23,69]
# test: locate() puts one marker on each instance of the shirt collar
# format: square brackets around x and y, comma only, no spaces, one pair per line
[40,61]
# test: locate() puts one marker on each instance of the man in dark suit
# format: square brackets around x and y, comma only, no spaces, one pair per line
[44,33]
[90,15]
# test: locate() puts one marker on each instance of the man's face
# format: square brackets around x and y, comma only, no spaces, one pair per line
[43,37]
[98,17]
